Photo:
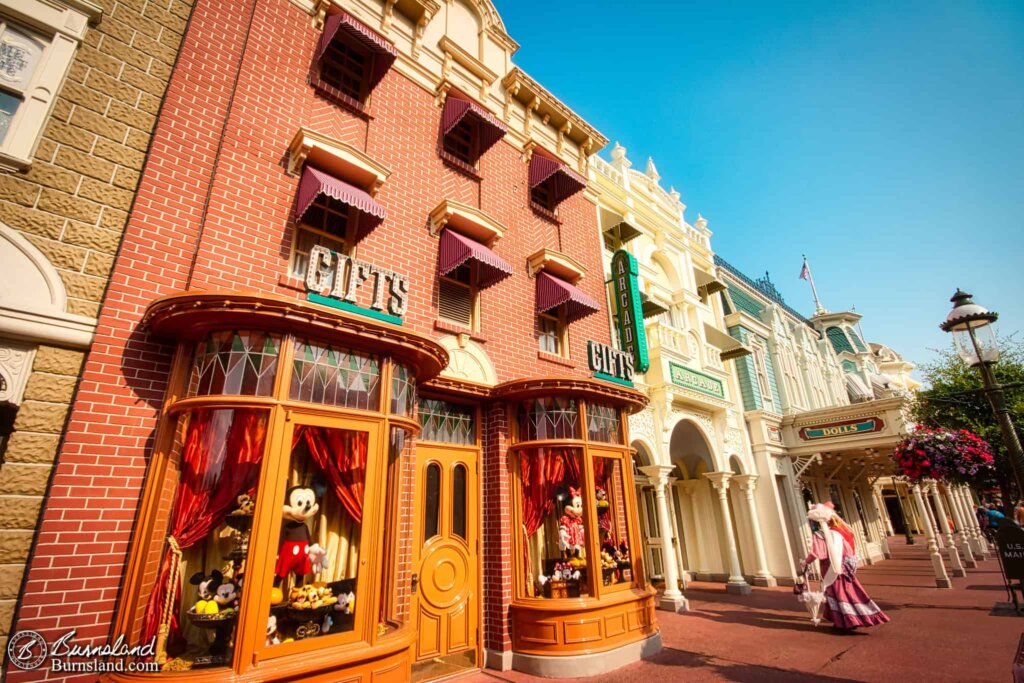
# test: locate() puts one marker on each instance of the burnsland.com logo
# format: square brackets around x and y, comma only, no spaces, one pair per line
[28,651]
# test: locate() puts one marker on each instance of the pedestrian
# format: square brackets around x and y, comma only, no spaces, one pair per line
[847,604]
[1018,513]
[982,514]
[994,515]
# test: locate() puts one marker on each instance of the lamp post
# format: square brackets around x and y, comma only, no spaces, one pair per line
[975,343]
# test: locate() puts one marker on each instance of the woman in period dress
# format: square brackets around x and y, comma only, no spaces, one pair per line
[847,604]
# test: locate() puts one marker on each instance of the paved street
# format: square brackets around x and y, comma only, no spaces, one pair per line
[949,635]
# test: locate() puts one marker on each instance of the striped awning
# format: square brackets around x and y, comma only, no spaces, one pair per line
[553,292]
[564,181]
[315,183]
[856,389]
[344,24]
[457,108]
[457,249]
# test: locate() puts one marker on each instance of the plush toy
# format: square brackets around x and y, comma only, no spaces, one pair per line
[317,558]
[206,589]
[273,637]
[571,542]
[346,603]
[226,595]
[294,555]
[246,505]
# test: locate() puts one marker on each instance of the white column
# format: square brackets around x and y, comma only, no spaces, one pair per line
[701,568]
[981,548]
[941,578]
[762,577]
[672,599]
[963,540]
[954,555]
[736,584]
[672,492]
[929,519]
[884,511]
[800,519]
[872,500]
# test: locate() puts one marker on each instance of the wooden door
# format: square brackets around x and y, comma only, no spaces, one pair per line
[448,593]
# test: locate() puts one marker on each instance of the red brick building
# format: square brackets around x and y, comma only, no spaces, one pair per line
[360,280]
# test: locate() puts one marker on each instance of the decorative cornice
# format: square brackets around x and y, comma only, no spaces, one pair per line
[467,220]
[336,157]
[558,264]
[193,315]
[535,96]
[588,389]
[450,386]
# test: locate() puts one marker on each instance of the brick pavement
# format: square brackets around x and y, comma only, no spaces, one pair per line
[935,635]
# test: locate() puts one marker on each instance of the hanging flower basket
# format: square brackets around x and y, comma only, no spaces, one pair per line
[954,456]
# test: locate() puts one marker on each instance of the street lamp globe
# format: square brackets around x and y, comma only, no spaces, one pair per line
[973,334]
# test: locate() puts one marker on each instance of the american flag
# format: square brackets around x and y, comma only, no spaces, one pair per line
[805,272]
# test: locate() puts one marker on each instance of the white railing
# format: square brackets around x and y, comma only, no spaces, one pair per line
[607,170]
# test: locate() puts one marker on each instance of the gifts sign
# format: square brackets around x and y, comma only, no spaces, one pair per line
[337,280]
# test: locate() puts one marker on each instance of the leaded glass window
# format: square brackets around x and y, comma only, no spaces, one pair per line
[603,423]
[337,377]
[447,422]
[403,390]
[549,418]
[235,363]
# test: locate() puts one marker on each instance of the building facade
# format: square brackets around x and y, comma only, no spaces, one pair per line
[80,87]
[352,408]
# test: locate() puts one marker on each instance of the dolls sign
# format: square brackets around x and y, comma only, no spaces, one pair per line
[336,280]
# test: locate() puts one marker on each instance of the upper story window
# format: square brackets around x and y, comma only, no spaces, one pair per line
[465,266]
[350,61]
[33,64]
[762,373]
[558,304]
[467,132]
[457,297]
[551,183]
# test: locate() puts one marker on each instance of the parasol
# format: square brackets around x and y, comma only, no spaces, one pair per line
[812,600]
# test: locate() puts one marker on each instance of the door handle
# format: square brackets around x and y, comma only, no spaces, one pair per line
[415,582]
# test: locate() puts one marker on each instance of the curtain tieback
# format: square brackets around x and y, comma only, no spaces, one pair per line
[173,574]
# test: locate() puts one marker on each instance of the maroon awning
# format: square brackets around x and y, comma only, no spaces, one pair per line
[315,183]
[553,292]
[456,249]
[564,181]
[344,23]
[457,108]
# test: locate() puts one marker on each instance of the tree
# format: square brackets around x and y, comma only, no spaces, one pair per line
[955,399]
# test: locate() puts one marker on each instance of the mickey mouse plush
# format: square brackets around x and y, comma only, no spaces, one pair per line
[206,589]
[296,550]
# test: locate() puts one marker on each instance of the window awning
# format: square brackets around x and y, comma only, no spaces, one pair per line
[457,108]
[456,249]
[707,283]
[856,388]
[622,232]
[564,181]
[315,183]
[344,23]
[730,348]
[553,292]
[650,307]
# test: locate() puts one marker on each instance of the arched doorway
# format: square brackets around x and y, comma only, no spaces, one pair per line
[695,504]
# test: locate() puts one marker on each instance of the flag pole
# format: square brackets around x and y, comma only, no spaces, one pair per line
[814,290]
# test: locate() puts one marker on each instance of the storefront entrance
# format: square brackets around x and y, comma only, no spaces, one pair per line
[447,596]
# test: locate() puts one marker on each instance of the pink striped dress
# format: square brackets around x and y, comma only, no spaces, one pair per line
[847,604]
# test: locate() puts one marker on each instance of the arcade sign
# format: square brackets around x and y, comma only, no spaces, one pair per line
[335,280]
[627,298]
[610,364]
[839,429]
[698,381]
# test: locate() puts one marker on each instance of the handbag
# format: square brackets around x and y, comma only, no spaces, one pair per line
[799,586]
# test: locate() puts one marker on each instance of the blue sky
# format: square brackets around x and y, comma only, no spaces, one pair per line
[884,140]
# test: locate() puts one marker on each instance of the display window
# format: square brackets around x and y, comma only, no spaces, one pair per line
[273,520]
[573,499]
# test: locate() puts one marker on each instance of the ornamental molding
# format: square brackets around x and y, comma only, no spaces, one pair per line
[15,366]
[555,262]
[336,157]
[466,220]
[641,425]
[467,361]
[518,85]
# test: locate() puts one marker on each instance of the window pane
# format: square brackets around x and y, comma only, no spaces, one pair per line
[305,241]
[345,67]
[394,607]
[20,53]
[8,108]
[610,494]
[548,336]
[318,556]
[459,501]
[455,302]
[549,418]
[337,377]
[447,422]
[403,390]
[212,475]
[431,501]
[235,363]
[553,513]
[603,423]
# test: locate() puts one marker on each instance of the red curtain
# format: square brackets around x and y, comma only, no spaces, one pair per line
[220,460]
[543,470]
[341,456]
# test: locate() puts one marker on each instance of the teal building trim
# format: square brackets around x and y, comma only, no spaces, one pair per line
[773,383]
[840,342]
[857,341]
[745,372]
[849,366]
[352,308]
[745,302]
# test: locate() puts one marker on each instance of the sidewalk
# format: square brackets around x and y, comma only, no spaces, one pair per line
[935,635]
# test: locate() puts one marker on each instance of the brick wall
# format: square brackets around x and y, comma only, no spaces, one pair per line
[72,205]
[213,212]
